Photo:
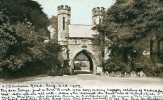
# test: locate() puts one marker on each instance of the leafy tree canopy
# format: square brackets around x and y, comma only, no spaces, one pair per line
[54,25]
[128,27]
[25,10]
[128,21]
[23,29]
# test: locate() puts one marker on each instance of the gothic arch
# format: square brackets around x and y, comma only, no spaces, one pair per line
[89,56]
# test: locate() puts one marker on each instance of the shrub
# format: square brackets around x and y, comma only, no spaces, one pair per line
[145,64]
[55,71]
[118,66]
[58,71]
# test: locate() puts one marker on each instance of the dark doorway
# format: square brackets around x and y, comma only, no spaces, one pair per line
[83,62]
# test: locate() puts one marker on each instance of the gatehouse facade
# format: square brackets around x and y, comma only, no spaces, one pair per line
[78,49]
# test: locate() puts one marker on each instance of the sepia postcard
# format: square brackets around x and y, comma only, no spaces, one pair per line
[81,50]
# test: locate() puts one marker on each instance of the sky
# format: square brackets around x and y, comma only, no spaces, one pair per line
[81,10]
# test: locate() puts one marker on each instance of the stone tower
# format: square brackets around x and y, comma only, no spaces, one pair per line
[64,13]
[97,15]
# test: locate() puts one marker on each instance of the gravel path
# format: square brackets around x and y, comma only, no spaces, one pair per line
[95,81]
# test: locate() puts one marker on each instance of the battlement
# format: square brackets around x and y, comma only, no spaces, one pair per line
[64,7]
[98,11]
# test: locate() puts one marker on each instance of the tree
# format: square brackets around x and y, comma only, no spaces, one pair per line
[54,25]
[25,10]
[22,36]
[128,24]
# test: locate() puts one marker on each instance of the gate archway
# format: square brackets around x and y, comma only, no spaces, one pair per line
[83,62]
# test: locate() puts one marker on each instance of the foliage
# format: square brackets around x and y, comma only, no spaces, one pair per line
[128,26]
[54,24]
[25,11]
[22,36]
[116,65]
[58,71]
[129,22]
[52,53]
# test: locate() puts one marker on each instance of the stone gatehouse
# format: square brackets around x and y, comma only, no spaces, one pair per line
[78,48]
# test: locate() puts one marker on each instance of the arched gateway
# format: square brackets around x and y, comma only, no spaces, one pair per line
[78,48]
[83,62]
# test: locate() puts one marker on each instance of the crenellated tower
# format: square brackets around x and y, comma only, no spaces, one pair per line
[64,13]
[97,15]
